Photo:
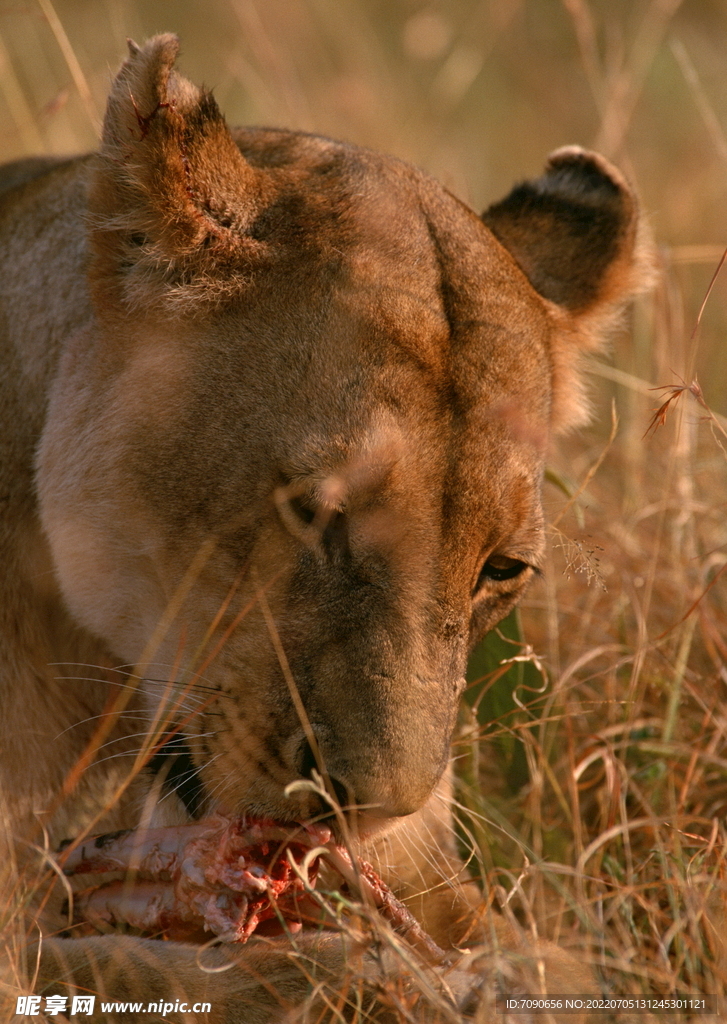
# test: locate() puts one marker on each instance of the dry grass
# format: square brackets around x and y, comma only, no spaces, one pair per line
[617,838]
[597,801]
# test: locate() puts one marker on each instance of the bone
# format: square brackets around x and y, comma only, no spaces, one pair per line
[152,851]
[144,905]
[223,875]
[364,881]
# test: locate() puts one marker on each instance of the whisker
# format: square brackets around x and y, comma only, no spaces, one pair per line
[188,776]
[126,716]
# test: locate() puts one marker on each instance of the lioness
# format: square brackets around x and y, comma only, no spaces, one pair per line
[274,416]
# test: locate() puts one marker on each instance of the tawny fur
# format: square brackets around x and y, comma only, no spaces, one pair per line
[311,374]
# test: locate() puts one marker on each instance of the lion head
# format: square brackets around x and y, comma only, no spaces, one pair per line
[292,464]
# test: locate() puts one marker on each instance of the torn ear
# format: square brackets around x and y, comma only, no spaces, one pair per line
[171,195]
[577,234]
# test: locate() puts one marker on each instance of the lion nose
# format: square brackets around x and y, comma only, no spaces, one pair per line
[392,793]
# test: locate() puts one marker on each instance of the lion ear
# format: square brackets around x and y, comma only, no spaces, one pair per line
[577,234]
[171,194]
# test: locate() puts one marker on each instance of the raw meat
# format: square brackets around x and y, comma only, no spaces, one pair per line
[227,876]
[221,875]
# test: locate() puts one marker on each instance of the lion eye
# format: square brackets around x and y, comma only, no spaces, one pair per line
[298,512]
[302,508]
[309,521]
[500,567]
